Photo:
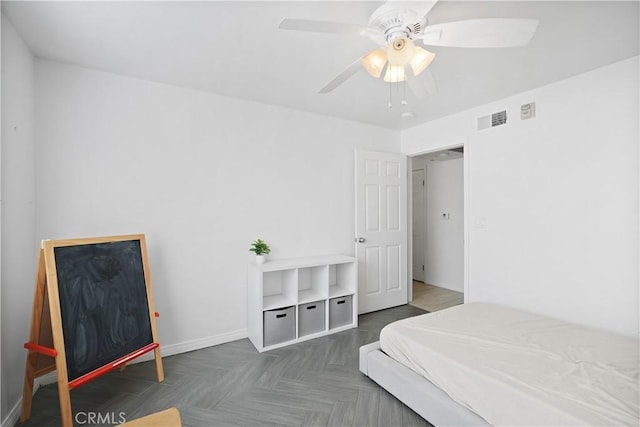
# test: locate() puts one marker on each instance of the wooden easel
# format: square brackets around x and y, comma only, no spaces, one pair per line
[46,346]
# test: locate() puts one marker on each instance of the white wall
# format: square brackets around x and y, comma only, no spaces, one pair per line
[202,175]
[19,245]
[559,198]
[444,245]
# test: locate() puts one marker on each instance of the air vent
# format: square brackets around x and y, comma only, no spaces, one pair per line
[498,118]
[492,120]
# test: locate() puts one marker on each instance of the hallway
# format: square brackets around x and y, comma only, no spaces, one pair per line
[433,298]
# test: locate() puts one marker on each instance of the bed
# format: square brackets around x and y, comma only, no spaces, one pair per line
[482,364]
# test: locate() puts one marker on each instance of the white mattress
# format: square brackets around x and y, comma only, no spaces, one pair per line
[517,368]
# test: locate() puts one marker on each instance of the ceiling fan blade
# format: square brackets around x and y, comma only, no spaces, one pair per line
[421,8]
[423,85]
[343,76]
[314,26]
[481,33]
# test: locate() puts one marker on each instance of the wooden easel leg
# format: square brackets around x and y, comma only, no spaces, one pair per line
[65,404]
[159,368]
[34,336]
[27,390]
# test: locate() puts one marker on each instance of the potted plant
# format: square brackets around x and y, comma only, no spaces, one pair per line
[261,249]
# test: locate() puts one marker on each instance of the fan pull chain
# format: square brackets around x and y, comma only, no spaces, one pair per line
[401,88]
[404,93]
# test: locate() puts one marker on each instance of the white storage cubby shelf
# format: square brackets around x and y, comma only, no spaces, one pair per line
[296,299]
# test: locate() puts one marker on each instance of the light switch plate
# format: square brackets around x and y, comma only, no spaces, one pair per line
[481,222]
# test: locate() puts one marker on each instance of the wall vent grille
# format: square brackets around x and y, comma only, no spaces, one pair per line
[499,118]
[492,120]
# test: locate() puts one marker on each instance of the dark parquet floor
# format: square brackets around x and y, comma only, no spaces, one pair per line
[313,383]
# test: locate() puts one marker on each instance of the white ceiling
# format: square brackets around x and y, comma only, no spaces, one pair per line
[234,48]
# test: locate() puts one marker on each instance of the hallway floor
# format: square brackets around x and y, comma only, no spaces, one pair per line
[433,298]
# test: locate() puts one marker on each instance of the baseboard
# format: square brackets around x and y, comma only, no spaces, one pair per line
[169,350]
[187,346]
[46,379]
[192,345]
[14,414]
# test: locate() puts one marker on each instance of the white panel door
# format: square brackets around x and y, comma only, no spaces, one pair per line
[381,230]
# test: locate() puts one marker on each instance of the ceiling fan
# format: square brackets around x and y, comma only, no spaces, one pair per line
[396,26]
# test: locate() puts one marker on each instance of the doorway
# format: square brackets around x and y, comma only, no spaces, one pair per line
[419,235]
[437,208]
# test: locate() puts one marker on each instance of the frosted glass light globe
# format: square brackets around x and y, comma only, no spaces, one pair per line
[395,74]
[400,51]
[374,62]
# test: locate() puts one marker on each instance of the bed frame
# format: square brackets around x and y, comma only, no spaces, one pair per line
[415,391]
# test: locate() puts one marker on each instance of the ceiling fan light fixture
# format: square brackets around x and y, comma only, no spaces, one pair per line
[395,74]
[374,62]
[421,60]
[400,51]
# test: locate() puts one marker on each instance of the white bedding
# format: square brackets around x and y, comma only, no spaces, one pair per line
[517,368]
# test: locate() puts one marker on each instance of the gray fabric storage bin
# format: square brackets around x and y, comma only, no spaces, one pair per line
[310,318]
[279,326]
[340,311]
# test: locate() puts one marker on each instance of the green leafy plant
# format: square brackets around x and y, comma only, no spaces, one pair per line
[260,247]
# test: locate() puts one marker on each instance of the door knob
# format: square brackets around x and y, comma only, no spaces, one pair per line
[361,240]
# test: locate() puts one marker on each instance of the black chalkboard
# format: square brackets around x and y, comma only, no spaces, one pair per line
[103,303]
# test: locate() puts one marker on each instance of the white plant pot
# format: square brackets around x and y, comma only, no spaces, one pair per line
[260,259]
